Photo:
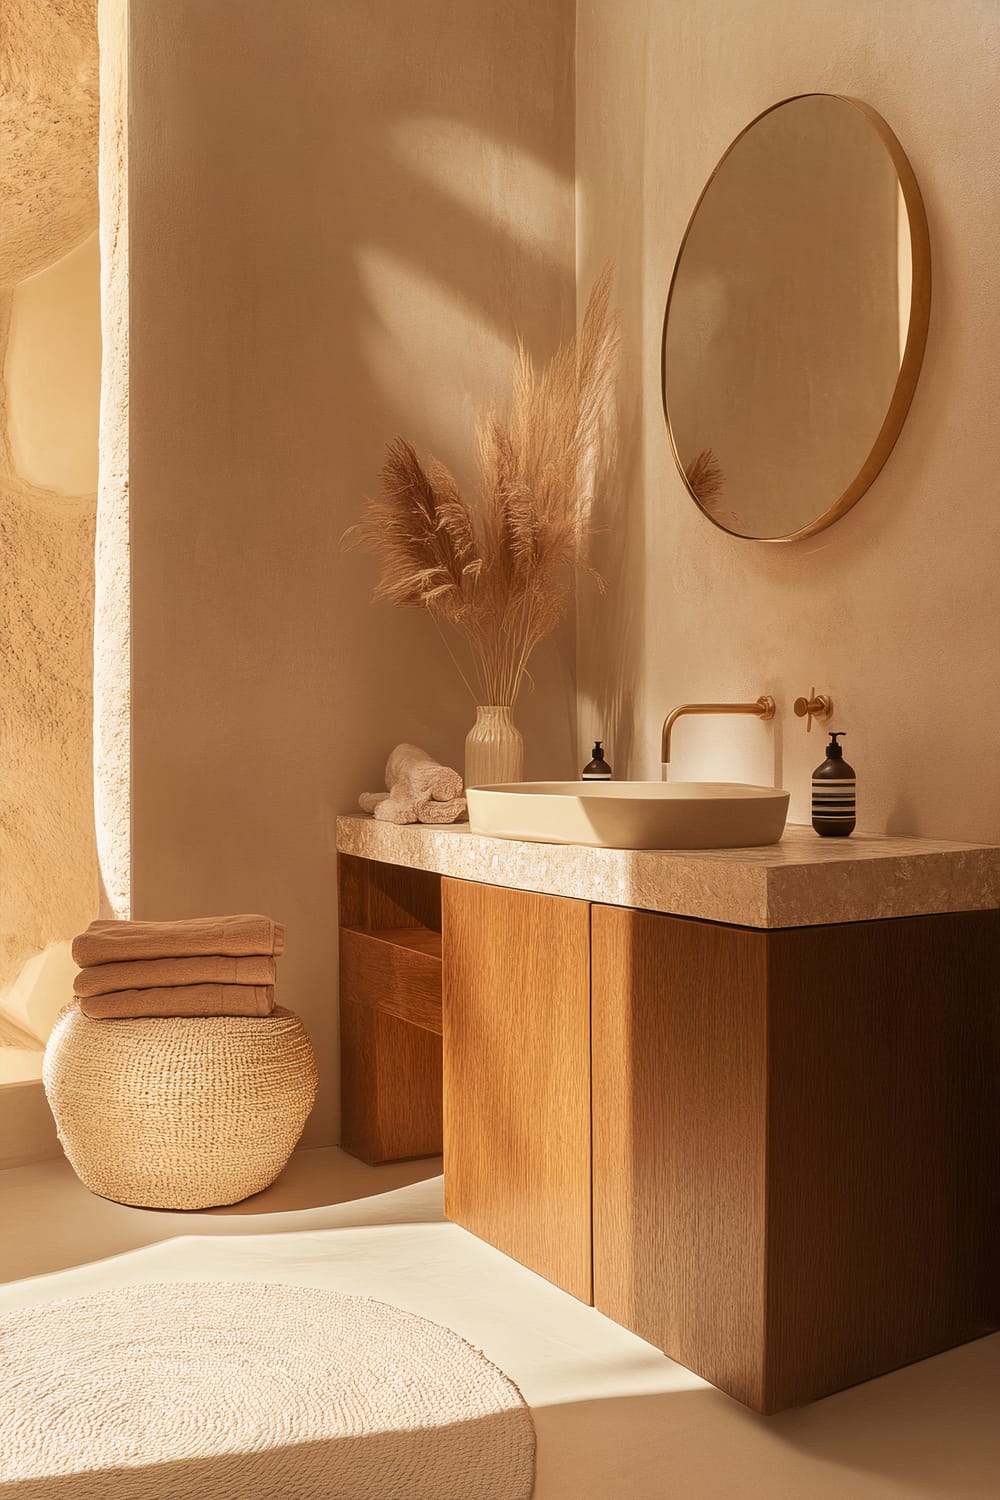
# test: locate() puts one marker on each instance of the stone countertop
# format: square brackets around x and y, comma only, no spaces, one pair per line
[802,882]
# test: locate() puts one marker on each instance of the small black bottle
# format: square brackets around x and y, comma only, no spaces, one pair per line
[598,769]
[834,793]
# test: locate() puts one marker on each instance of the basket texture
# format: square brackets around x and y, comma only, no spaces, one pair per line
[179,1111]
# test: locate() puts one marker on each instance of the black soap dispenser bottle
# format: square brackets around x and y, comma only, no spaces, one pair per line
[834,793]
[598,769]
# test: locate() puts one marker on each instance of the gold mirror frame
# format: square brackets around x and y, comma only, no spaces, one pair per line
[916,333]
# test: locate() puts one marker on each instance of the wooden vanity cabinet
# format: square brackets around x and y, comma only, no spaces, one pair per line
[772,1153]
[516,1011]
[795,1133]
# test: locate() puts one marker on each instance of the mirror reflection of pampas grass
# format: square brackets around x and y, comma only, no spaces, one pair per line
[705,477]
[499,571]
[707,481]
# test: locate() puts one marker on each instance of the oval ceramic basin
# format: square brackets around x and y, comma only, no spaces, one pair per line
[631,814]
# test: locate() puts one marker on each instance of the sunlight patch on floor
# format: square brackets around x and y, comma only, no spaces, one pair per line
[615,1419]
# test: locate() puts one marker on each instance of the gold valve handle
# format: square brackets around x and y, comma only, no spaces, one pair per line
[816,706]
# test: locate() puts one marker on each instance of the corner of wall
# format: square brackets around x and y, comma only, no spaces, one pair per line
[112,681]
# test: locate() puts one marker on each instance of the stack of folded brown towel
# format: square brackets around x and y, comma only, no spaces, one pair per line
[205,966]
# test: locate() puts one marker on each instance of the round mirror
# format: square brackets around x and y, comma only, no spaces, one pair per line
[796,319]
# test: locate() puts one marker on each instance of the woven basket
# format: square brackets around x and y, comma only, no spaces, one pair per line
[179,1112]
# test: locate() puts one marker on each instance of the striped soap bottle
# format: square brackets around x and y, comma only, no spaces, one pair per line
[834,805]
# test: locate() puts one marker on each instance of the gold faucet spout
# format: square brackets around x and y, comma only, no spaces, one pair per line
[763,707]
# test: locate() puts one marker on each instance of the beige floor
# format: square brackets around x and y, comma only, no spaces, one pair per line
[615,1420]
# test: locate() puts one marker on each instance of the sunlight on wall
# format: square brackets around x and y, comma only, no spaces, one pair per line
[493,184]
[412,320]
[49,360]
[54,373]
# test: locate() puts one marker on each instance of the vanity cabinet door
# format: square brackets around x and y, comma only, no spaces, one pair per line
[679,1058]
[796,1144]
[516,1030]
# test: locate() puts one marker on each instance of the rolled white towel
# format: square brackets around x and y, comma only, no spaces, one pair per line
[425,777]
[400,809]
[430,811]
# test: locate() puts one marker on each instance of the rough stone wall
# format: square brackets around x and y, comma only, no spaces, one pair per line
[48,204]
[48,131]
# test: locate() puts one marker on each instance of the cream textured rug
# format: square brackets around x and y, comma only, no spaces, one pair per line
[219,1390]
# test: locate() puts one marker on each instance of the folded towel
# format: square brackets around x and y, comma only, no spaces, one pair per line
[390,808]
[118,942]
[182,1000]
[164,973]
[424,776]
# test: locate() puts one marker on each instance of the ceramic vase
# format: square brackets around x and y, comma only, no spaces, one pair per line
[494,748]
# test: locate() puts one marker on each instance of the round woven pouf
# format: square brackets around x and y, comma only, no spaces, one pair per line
[240,1389]
[179,1111]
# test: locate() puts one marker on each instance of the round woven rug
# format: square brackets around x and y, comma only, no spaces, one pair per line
[221,1390]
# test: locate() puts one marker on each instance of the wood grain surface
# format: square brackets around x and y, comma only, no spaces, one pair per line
[397,971]
[795,1131]
[679,1054]
[391,1091]
[883,1159]
[390,1011]
[377,896]
[516,1010]
[795,1144]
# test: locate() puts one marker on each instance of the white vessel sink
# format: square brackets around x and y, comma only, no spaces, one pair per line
[631,814]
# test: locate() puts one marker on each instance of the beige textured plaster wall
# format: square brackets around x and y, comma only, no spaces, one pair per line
[893,610]
[49,353]
[339,213]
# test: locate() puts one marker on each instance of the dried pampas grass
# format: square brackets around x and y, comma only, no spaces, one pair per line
[499,572]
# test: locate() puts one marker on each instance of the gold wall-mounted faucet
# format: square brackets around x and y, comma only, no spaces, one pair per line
[763,708]
[816,706]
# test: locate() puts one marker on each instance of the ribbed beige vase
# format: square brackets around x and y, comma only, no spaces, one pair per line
[494,748]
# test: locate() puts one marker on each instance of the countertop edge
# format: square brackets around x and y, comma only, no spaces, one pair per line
[833,887]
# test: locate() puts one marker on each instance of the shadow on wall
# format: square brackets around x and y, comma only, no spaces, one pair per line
[609,678]
[611,627]
[337,226]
